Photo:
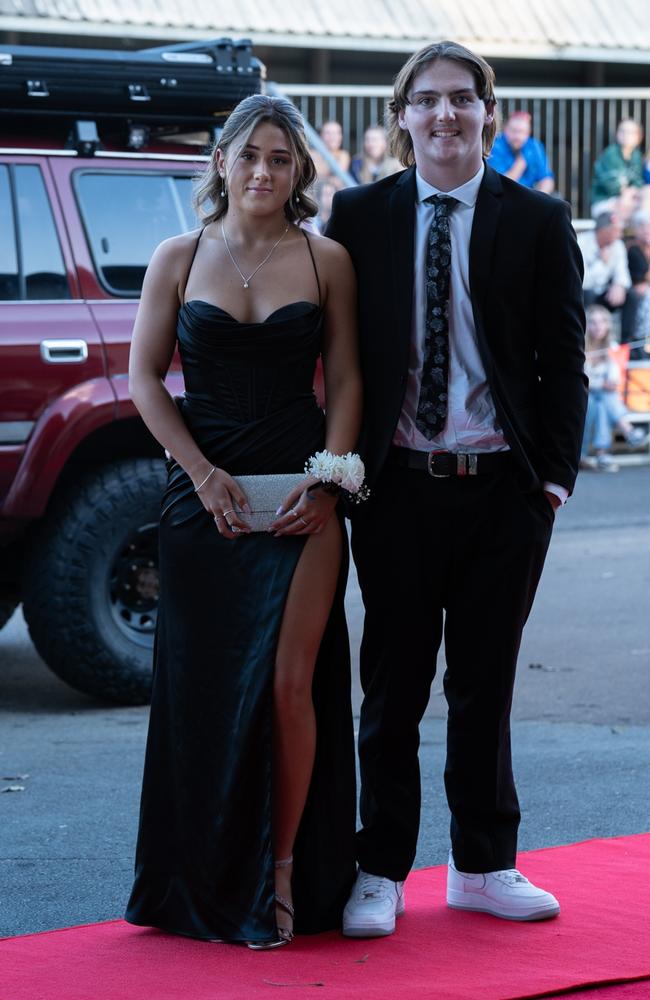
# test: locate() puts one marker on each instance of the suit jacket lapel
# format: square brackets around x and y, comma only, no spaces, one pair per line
[484,228]
[401,216]
[481,255]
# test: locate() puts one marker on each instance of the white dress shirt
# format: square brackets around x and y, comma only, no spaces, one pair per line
[471,425]
[603,265]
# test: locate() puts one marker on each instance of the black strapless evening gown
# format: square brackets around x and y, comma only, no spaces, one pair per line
[204,861]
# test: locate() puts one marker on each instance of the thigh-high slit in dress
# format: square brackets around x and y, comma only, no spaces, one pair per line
[204,859]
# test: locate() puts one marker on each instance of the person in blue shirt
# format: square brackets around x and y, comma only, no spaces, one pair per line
[519,156]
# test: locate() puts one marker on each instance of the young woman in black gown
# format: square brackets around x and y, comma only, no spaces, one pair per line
[248,800]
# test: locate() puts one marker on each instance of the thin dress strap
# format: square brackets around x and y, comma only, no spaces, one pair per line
[187,275]
[311,254]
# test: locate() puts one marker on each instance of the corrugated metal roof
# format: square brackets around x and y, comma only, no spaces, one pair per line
[568,28]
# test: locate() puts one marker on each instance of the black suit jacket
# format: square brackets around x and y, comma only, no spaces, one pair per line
[526,290]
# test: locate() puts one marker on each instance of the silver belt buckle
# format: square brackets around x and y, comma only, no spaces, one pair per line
[436,475]
[466,465]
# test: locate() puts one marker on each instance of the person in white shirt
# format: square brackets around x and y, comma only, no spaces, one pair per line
[607,277]
[471,329]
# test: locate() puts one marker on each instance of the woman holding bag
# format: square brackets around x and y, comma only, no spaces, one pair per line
[248,801]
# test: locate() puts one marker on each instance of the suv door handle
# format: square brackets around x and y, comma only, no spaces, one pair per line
[62,352]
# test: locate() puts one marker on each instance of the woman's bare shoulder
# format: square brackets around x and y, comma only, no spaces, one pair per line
[171,259]
[176,249]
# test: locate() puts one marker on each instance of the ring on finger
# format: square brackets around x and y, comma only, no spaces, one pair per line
[231,511]
[306,523]
[293,512]
[218,517]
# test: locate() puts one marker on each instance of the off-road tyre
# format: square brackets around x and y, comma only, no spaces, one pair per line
[89,590]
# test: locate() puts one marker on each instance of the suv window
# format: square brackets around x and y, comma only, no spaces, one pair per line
[31,262]
[126,216]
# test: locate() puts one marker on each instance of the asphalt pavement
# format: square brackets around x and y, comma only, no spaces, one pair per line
[581,727]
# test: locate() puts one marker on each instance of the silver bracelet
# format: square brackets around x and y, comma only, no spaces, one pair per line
[201,485]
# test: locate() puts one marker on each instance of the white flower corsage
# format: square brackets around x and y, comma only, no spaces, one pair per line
[345,471]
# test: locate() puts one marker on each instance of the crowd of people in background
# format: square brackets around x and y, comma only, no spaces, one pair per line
[371,163]
[616,255]
[616,288]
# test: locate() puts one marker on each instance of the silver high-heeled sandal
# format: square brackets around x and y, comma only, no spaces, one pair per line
[285,934]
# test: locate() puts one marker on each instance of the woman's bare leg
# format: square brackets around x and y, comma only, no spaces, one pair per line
[294,726]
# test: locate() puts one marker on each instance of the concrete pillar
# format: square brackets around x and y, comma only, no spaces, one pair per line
[319,66]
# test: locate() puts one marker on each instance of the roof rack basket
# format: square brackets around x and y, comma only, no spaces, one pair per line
[182,87]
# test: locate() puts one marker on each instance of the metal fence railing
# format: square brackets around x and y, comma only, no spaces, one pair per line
[575,124]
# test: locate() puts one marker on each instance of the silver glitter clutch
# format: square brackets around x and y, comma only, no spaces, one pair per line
[264,495]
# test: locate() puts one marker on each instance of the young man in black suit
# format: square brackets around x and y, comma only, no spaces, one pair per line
[472,334]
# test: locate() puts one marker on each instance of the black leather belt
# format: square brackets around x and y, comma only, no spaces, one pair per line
[443,464]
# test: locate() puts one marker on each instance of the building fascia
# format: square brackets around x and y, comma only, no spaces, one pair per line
[489,49]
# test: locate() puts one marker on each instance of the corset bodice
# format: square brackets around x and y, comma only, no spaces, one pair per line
[249,399]
[247,370]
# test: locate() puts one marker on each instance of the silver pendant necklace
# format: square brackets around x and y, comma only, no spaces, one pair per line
[247,280]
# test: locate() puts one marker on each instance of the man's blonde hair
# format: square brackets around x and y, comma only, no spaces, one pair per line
[400,141]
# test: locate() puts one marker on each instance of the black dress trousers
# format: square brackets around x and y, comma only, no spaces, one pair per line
[459,557]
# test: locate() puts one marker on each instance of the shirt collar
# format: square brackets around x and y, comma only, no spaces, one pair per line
[467,193]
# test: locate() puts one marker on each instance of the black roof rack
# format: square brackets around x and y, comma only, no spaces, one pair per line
[178,88]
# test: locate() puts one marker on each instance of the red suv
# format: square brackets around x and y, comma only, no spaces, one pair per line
[80,475]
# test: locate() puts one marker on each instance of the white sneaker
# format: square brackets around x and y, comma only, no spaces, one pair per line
[372,907]
[605,463]
[506,894]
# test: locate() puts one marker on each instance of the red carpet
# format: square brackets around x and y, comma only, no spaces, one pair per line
[601,937]
[639,990]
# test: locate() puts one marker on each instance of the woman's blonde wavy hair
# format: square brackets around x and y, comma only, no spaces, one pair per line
[591,345]
[399,139]
[239,126]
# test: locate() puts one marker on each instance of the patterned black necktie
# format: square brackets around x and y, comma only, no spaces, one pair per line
[432,403]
